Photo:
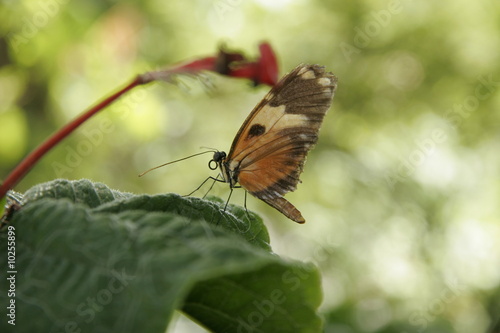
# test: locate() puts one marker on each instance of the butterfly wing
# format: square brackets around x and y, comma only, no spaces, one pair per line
[269,151]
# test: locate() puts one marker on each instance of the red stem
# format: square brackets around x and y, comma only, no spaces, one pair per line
[263,71]
[29,161]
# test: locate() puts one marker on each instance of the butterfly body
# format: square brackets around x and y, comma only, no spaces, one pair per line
[269,151]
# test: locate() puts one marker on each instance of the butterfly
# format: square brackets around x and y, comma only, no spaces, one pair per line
[269,151]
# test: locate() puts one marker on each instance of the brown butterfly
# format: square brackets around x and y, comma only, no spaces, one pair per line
[269,151]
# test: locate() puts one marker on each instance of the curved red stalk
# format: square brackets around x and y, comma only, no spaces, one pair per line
[264,71]
[29,161]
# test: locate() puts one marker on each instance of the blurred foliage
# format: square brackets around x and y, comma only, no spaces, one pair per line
[401,194]
[99,260]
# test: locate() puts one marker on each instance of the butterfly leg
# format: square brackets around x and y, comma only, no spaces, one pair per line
[245,205]
[203,183]
[228,198]
[216,179]
[244,202]
[227,201]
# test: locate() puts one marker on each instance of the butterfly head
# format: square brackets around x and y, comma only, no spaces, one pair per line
[217,160]
[220,161]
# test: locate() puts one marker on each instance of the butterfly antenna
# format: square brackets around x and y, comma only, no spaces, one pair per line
[181,159]
[209,148]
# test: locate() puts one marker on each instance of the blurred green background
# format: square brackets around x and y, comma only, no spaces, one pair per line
[401,194]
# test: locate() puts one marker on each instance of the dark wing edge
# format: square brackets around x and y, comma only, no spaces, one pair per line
[286,208]
[292,90]
[279,154]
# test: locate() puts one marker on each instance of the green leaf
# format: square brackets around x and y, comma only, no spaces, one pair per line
[81,191]
[92,259]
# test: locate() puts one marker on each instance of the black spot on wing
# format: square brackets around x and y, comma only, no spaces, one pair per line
[256,130]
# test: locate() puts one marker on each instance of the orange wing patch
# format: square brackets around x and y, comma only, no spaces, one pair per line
[269,151]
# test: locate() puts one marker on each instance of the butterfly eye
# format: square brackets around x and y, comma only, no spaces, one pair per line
[219,156]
